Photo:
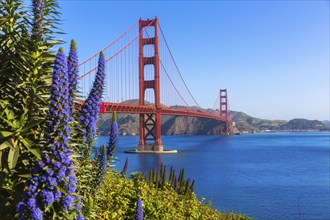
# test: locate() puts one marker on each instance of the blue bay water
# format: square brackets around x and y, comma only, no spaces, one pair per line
[265,175]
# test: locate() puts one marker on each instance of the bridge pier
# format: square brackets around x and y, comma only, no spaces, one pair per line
[150,133]
[150,147]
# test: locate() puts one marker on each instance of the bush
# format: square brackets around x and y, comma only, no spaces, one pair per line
[117,198]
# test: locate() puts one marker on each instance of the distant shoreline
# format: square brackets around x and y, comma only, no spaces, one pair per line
[242,133]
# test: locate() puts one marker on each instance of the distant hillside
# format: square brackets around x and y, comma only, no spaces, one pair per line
[246,123]
[326,122]
[303,124]
[171,125]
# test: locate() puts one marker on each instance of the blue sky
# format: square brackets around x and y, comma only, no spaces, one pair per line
[272,56]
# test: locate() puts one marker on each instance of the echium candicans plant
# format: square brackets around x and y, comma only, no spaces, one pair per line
[73,70]
[113,136]
[39,22]
[26,59]
[90,109]
[53,182]
[139,210]
[102,165]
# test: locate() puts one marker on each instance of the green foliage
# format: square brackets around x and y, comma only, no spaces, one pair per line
[123,172]
[117,197]
[87,185]
[158,179]
[25,79]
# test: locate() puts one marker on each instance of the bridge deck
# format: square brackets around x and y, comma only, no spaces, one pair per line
[108,107]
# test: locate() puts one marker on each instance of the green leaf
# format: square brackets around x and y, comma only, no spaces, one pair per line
[29,126]
[27,176]
[22,120]
[62,190]
[15,124]
[25,162]
[12,157]
[36,152]
[0,160]
[4,145]
[6,133]
[90,204]
[10,115]
[27,142]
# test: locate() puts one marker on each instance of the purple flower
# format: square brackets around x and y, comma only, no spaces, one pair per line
[67,202]
[38,19]
[113,136]
[49,172]
[90,109]
[31,203]
[57,195]
[78,207]
[55,169]
[102,163]
[20,207]
[80,217]
[139,210]
[57,165]
[52,181]
[36,214]
[47,197]
[71,188]
[72,73]
[41,164]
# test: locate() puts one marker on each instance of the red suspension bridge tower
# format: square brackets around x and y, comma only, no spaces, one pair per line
[224,111]
[150,124]
[143,39]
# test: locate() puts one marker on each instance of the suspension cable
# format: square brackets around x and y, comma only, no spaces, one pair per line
[177,66]
[118,52]
[112,43]
[170,77]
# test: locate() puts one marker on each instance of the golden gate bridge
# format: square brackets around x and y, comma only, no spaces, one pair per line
[143,78]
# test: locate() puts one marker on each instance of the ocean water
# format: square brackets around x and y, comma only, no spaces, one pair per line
[265,175]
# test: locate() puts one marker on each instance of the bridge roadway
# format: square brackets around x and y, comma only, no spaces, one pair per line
[109,107]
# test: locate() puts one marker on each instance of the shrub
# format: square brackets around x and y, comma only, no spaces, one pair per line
[118,195]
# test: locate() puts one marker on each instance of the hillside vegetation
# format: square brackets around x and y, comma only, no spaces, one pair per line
[171,125]
[246,123]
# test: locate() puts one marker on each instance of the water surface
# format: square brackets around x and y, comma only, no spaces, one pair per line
[266,175]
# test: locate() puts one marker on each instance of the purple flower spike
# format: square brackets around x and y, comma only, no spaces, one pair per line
[91,107]
[42,190]
[113,136]
[72,73]
[102,164]
[38,19]
[139,210]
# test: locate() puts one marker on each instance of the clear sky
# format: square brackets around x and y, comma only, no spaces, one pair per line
[272,56]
